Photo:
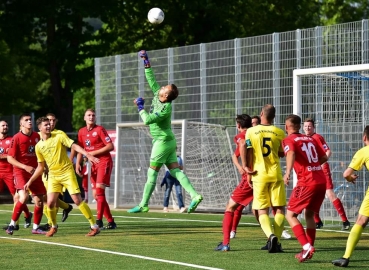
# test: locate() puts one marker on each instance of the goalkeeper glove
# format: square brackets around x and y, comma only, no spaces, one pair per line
[145,58]
[140,103]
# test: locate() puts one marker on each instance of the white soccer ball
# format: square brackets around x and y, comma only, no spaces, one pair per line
[155,15]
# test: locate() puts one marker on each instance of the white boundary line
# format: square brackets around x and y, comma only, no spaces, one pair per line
[113,252]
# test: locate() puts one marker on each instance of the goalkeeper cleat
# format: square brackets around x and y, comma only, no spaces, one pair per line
[10,230]
[341,262]
[111,226]
[138,209]
[28,220]
[194,203]
[66,213]
[51,232]
[93,232]
[222,247]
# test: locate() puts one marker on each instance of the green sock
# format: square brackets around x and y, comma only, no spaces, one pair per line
[152,175]
[183,179]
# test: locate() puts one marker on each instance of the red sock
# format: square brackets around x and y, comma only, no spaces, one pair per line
[273,211]
[299,232]
[227,225]
[310,235]
[101,200]
[26,211]
[17,211]
[37,214]
[317,218]
[107,213]
[339,207]
[237,216]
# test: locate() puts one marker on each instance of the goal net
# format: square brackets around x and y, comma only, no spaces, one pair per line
[337,98]
[206,151]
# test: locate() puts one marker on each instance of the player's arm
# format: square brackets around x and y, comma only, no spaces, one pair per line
[38,172]
[328,153]
[80,150]
[350,175]
[290,159]
[281,152]
[150,77]
[20,165]
[237,154]
[150,118]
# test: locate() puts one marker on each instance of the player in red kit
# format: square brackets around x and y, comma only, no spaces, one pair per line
[94,139]
[305,156]
[22,156]
[243,194]
[6,171]
[309,129]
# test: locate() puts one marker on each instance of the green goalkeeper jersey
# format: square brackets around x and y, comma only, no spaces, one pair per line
[159,118]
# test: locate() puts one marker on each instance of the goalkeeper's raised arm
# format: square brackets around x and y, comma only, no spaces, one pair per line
[150,77]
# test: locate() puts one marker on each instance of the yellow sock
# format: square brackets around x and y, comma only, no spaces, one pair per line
[52,214]
[265,224]
[46,213]
[352,240]
[278,225]
[86,211]
[62,204]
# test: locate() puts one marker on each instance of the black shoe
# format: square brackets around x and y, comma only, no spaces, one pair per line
[99,223]
[279,248]
[272,243]
[66,212]
[16,227]
[319,225]
[10,230]
[341,262]
[346,225]
[45,227]
[111,226]
[28,220]
[266,246]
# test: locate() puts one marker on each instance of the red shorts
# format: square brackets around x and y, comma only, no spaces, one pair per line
[243,193]
[100,173]
[306,197]
[328,175]
[8,179]
[37,187]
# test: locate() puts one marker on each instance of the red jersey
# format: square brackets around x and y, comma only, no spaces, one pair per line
[22,148]
[5,166]
[237,139]
[94,139]
[320,139]
[307,154]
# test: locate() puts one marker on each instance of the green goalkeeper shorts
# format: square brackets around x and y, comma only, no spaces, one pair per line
[164,152]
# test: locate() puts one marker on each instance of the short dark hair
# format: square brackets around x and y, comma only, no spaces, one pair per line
[24,115]
[295,120]
[41,120]
[256,117]
[310,120]
[174,93]
[51,114]
[366,131]
[269,112]
[244,120]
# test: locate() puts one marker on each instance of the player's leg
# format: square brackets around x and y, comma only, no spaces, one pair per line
[38,191]
[262,203]
[52,198]
[85,187]
[278,200]
[178,189]
[339,207]
[8,180]
[168,191]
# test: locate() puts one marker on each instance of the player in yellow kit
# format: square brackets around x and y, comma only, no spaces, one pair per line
[51,149]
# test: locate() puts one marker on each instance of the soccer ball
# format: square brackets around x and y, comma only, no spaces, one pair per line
[155,15]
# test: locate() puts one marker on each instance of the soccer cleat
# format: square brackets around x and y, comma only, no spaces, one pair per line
[10,229]
[93,232]
[232,234]
[286,235]
[272,243]
[165,209]
[222,247]
[38,231]
[51,232]
[194,203]
[100,223]
[319,225]
[279,248]
[305,255]
[266,246]
[16,227]
[183,209]
[111,226]
[346,225]
[28,220]
[45,227]
[341,262]
[138,209]
[66,213]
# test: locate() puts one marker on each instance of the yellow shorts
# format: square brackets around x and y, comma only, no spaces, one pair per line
[267,194]
[58,183]
[364,208]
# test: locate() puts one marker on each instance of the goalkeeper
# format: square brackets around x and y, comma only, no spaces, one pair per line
[164,142]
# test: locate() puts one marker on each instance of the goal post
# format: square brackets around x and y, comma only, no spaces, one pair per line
[206,151]
[337,98]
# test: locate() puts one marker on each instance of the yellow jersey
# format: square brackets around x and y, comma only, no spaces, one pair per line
[266,142]
[360,158]
[53,151]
